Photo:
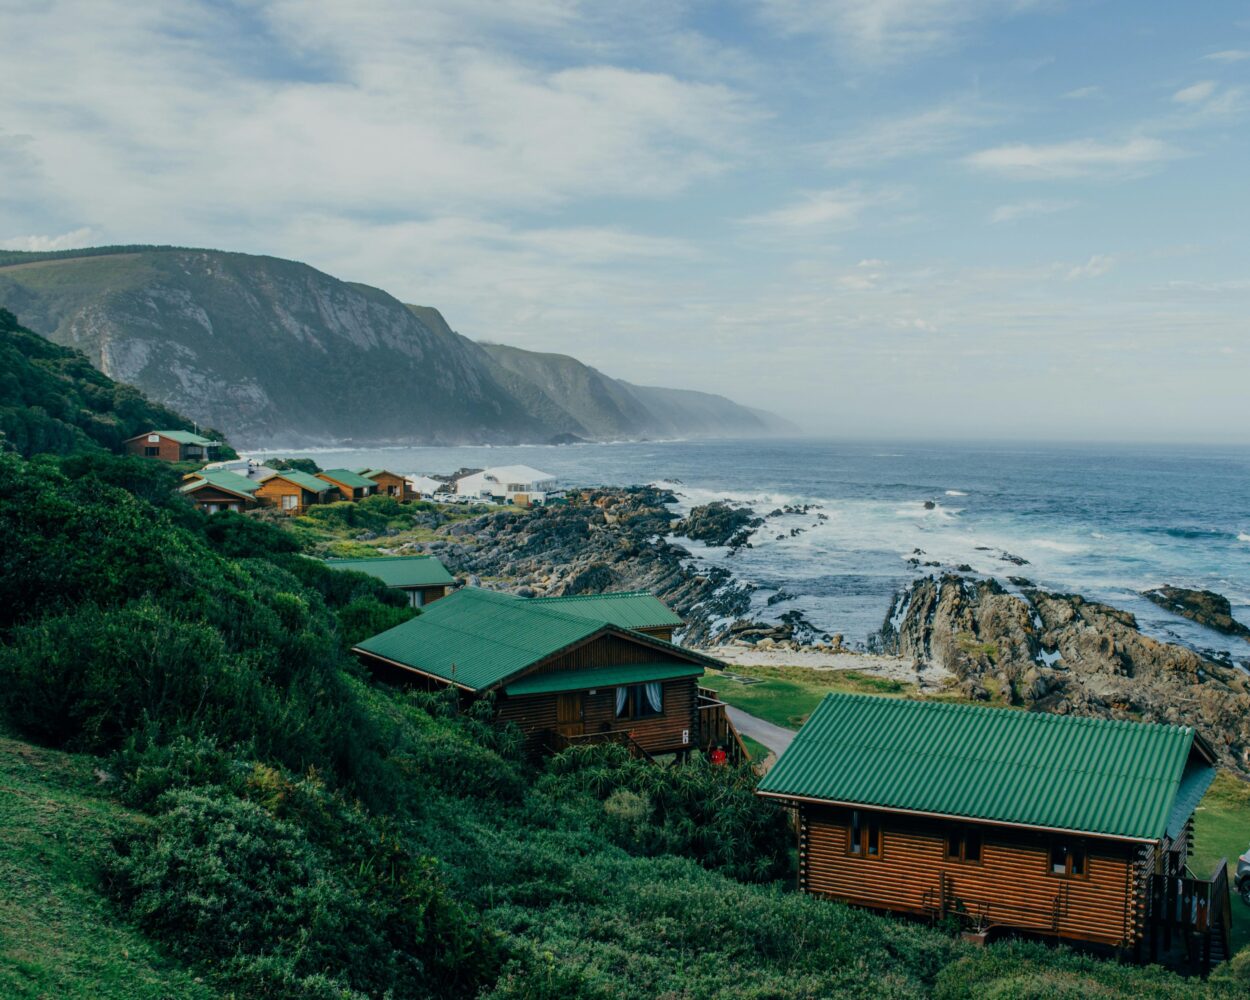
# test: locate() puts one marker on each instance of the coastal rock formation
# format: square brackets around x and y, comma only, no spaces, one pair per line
[1202,606]
[719,524]
[1062,653]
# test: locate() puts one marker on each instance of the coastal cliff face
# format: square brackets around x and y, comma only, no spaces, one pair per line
[276,353]
[1062,653]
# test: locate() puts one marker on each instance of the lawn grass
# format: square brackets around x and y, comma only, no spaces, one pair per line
[1222,830]
[59,937]
[786,696]
[757,750]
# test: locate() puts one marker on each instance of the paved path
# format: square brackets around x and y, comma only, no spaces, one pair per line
[774,737]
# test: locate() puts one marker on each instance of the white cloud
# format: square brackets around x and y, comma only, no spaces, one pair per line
[1083,93]
[833,208]
[910,135]
[83,237]
[1228,55]
[1098,265]
[1029,209]
[1195,93]
[1077,158]
[884,31]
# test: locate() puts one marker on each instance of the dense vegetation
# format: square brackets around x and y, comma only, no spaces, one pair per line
[266,822]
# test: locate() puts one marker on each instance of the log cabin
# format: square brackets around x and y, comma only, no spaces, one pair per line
[172,446]
[423,578]
[351,485]
[563,679]
[1060,826]
[293,492]
[217,490]
[389,484]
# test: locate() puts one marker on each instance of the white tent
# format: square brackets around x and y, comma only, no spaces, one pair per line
[505,482]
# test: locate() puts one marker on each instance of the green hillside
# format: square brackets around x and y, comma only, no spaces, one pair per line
[202,795]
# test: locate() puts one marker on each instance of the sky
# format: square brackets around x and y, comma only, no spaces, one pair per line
[879,218]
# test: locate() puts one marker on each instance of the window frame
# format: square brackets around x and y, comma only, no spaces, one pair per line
[958,836]
[864,835]
[1074,848]
[635,696]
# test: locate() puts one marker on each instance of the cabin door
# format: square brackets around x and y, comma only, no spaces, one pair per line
[569,716]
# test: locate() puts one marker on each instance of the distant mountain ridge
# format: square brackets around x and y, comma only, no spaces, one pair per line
[276,353]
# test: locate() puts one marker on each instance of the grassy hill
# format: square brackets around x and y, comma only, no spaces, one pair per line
[202,795]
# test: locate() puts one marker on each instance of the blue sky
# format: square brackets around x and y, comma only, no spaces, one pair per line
[894,218]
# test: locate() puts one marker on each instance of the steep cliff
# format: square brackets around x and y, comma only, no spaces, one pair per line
[273,351]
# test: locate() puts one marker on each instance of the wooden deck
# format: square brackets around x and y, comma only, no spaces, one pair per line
[716,729]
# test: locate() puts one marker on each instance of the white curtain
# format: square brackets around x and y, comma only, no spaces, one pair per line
[622,694]
[653,696]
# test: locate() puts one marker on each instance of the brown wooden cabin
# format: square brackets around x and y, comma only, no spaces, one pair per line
[172,446]
[1065,827]
[293,492]
[389,484]
[351,485]
[423,578]
[563,679]
[220,490]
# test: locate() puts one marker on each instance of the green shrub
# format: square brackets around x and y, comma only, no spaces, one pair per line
[367,616]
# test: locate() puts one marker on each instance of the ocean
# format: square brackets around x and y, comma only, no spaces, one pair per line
[1104,521]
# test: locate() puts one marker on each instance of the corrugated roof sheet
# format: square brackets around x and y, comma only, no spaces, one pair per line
[602,677]
[347,478]
[629,610]
[182,437]
[477,638]
[1061,772]
[480,638]
[222,479]
[302,480]
[400,571]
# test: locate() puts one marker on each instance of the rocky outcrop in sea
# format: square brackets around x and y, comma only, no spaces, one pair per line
[1062,653]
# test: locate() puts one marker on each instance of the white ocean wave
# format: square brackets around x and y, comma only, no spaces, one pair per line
[956,493]
[1243,536]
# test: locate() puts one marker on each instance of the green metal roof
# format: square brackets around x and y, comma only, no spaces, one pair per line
[182,437]
[630,610]
[400,571]
[479,638]
[223,480]
[1194,784]
[1118,779]
[302,480]
[346,477]
[602,677]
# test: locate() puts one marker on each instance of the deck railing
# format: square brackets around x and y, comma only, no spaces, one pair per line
[945,899]
[562,741]
[716,729]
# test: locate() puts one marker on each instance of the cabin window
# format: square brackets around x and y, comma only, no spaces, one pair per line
[151,452]
[1067,858]
[640,701]
[865,840]
[964,845]
[290,501]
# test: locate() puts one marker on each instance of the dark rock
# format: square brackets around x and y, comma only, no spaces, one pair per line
[1014,560]
[1202,606]
[720,524]
[930,505]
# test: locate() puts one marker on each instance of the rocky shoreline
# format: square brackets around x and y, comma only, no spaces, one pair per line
[1027,646]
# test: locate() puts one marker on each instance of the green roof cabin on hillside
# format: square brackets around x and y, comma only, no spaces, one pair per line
[172,446]
[351,485]
[561,677]
[1053,824]
[424,578]
[219,490]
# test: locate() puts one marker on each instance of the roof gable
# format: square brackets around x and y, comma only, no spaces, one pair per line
[301,479]
[1096,776]
[628,610]
[399,571]
[181,437]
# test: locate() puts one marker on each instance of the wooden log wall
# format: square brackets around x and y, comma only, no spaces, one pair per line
[535,715]
[607,651]
[1012,880]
